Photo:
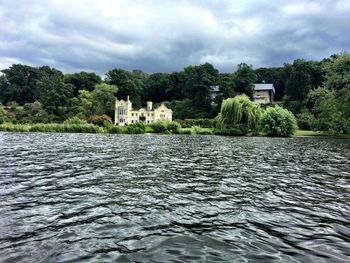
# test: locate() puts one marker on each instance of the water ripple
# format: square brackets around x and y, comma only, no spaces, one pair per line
[153,198]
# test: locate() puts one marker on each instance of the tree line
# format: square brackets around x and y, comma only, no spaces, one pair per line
[316,92]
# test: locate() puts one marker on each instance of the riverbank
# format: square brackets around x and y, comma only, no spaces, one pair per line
[112,129]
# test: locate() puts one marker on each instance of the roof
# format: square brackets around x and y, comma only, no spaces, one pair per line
[263,86]
[215,88]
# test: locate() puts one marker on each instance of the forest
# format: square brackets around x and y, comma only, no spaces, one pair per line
[316,92]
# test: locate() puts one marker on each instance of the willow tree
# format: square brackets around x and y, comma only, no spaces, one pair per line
[239,115]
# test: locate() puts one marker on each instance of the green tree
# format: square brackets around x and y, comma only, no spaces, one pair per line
[331,109]
[103,99]
[239,113]
[245,78]
[199,79]
[128,83]
[82,81]
[337,71]
[18,83]
[54,94]
[277,121]
[157,85]
[301,76]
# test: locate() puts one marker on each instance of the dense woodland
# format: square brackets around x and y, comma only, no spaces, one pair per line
[316,92]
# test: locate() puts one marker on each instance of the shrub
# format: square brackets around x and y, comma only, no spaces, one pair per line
[277,121]
[201,131]
[204,123]
[137,128]
[99,120]
[75,121]
[305,120]
[167,127]
[185,131]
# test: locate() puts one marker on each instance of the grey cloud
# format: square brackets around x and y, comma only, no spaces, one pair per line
[162,36]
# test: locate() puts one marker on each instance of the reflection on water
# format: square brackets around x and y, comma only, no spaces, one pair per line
[154,198]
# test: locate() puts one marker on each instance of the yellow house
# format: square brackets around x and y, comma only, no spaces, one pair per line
[125,115]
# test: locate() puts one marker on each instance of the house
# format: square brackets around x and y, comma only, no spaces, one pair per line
[125,115]
[264,93]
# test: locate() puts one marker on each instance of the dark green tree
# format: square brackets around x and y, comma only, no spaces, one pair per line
[245,78]
[54,94]
[337,71]
[128,83]
[82,80]
[199,79]
[18,83]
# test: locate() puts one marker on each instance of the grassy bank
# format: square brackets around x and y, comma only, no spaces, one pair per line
[137,129]
[304,133]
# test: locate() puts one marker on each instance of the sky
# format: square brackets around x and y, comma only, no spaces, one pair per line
[166,36]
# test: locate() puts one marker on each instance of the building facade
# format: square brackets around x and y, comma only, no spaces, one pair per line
[125,115]
[264,93]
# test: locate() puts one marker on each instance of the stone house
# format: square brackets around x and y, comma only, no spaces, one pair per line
[125,115]
[264,93]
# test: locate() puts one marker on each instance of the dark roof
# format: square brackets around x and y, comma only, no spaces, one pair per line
[263,86]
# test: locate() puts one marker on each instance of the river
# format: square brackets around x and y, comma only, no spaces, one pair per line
[167,198]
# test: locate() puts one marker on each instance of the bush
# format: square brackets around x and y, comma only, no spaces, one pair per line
[204,123]
[305,120]
[277,121]
[51,127]
[167,127]
[99,120]
[201,131]
[75,121]
[185,131]
[137,128]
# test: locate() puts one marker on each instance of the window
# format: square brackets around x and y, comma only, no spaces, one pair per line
[132,121]
[121,120]
[147,121]
[162,116]
[147,114]
[132,114]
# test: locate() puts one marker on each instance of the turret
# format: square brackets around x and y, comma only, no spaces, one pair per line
[149,105]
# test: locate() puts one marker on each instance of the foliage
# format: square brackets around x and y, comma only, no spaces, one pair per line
[305,120]
[129,83]
[199,79]
[244,79]
[337,71]
[167,127]
[103,99]
[18,83]
[75,121]
[330,109]
[54,94]
[51,127]
[82,81]
[203,122]
[99,120]
[301,76]
[239,113]
[277,121]
[201,131]
[137,128]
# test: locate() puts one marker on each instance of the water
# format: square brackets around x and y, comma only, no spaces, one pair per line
[153,198]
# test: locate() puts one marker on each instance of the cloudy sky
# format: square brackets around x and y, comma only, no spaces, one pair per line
[163,36]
